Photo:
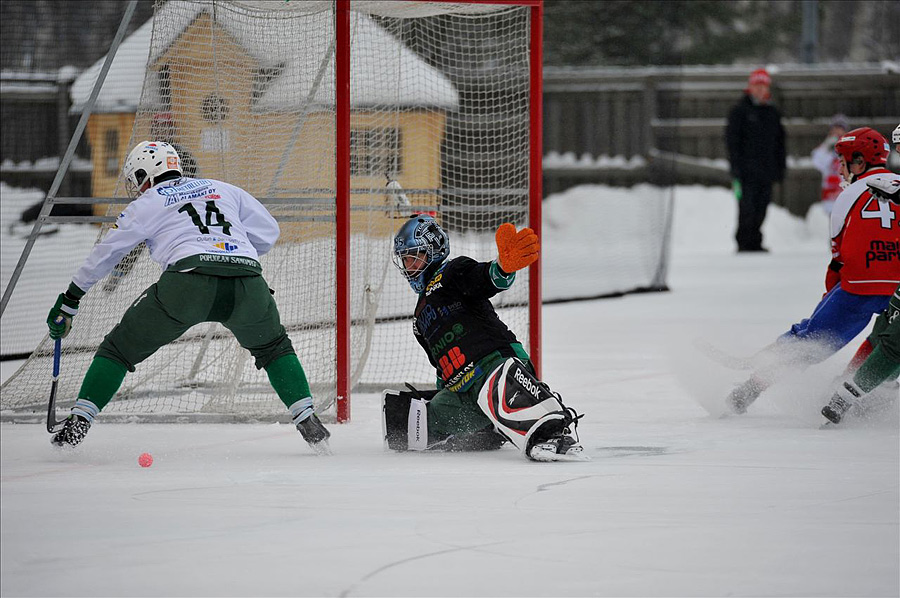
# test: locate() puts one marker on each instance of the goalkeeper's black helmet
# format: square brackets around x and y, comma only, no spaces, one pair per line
[419,246]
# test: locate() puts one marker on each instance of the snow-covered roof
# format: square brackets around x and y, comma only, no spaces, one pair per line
[391,73]
[121,91]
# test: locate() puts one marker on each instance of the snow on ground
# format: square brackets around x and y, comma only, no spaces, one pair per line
[674,502]
[47,272]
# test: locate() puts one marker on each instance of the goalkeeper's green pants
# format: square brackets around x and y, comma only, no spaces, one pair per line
[457,413]
[180,300]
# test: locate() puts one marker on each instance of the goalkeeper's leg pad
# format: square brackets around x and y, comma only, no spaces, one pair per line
[405,427]
[529,414]
[404,419]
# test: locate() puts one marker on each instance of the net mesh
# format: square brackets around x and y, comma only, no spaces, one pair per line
[246,92]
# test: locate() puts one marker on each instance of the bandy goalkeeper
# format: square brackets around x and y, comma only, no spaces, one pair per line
[488,391]
[207,235]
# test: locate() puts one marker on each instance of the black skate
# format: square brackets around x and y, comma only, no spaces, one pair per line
[558,448]
[840,404]
[834,411]
[743,396]
[557,440]
[315,434]
[73,432]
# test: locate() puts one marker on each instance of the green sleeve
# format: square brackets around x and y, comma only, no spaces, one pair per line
[501,279]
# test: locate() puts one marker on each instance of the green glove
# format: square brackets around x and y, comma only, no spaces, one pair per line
[59,320]
[736,187]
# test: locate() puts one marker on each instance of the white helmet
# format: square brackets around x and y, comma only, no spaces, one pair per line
[895,136]
[147,162]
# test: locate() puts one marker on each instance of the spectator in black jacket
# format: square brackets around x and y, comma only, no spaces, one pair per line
[755,140]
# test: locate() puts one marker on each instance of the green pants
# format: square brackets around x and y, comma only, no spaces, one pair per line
[457,413]
[180,300]
[886,330]
[884,362]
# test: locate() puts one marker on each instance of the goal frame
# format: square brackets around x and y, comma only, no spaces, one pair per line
[342,87]
[342,10]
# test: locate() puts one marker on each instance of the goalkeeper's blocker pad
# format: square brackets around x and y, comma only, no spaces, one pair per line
[518,403]
[404,420]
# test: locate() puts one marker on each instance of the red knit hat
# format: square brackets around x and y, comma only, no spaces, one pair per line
[760,76]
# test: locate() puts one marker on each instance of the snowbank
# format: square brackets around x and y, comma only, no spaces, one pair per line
[597,240]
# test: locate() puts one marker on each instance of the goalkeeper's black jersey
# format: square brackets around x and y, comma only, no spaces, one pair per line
[456,323]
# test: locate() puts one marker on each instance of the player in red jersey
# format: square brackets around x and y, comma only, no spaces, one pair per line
[862,275]
[864,231]
[877,361]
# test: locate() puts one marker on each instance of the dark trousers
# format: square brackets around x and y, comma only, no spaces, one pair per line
[755,198]
[886,331]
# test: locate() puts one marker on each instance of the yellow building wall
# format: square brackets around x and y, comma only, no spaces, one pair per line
[207,64]
[246,147]
[311,162]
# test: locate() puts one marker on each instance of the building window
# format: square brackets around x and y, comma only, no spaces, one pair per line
[375,151]
[111,152]
[214,109]
[164,81]
[263,77]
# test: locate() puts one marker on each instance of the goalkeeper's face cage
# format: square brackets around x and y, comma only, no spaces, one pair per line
[146,162]
[419,244]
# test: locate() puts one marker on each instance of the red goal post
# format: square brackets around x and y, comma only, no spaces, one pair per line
[535,156]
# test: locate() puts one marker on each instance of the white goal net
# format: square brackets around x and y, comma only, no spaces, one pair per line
[439,102]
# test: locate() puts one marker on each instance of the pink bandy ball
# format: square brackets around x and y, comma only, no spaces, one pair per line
[145,460]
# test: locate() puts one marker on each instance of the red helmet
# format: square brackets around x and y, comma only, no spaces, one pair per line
[869,143]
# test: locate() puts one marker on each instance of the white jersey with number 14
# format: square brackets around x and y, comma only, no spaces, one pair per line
[181,218]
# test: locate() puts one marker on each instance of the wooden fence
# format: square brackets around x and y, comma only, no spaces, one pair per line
[662,125]
[668,124]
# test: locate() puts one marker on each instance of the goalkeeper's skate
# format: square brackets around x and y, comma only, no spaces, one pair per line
[557,440]
[72,433]
[315,434]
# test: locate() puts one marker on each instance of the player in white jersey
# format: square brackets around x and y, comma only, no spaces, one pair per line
[207,235]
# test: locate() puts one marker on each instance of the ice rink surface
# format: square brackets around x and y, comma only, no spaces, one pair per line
[676,501]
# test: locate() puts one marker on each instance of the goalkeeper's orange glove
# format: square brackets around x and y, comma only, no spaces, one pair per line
[516,250]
